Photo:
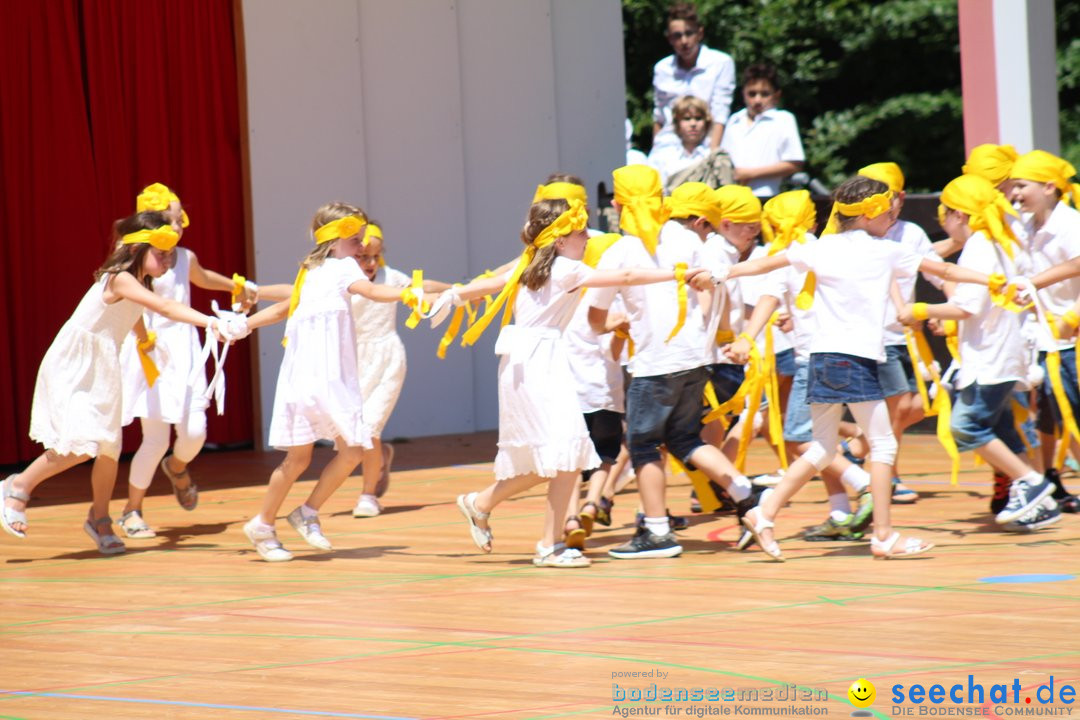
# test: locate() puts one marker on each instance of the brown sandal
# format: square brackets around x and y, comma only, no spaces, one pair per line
[587,517]
[575,537]
[187,497]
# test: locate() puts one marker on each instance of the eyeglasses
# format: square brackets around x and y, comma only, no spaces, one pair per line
[675,35]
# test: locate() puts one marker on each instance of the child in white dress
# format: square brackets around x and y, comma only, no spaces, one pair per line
[542,433]
[77,406]
[380,362]
[177,396]
[318,392]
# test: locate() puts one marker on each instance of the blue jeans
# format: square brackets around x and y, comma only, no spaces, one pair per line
[798,427]
[1049,412]
[839,378]
[896,374]
[664,410]
[785,362]
[982,413]
[726,380]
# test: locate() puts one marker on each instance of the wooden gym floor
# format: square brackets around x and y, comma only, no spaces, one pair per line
[407,620]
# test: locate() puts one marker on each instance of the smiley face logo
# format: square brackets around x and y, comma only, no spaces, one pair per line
[862,693]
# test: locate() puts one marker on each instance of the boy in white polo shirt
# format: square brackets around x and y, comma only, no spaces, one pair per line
[763,141]
[663,401]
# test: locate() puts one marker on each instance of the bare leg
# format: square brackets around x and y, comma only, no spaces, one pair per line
[559,495]
[372,466]
[296,462]
[334,474]
[42,468]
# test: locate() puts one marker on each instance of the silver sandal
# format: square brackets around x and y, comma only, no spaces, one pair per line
[481,536]
[9,516]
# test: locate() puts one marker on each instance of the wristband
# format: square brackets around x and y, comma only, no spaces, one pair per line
[1071,318]
[920,311]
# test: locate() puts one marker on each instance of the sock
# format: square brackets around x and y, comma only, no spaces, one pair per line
[658,526]
[839,505]
[306,512]
[855,478]
[740,488]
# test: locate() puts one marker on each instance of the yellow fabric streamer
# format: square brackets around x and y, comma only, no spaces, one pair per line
[413,297]
[629,342]
[149,368]
[639,194]
[339,229]
[805,299]
[694,199]
[239,281]
[374,232]
[597,246]
[914,352]
[570,221]
[164,238]
[885,172]
[990,161]
[1068,421]
[560,191]
[787,218]
[871,207]
[919,350]
[985,207]
[761,378]
[1041,166]
[680,279]
[738,204]
[157,198]
[952,341]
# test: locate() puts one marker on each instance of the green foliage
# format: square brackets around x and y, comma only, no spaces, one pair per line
[867,81]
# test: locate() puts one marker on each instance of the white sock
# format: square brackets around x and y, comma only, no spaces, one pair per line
[658,526]
[838,516]
[307,512]
[855,478]
[740,488]
[839,504]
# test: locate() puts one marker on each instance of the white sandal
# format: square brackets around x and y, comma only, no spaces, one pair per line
[559,556]
[883,549]
[771,549]
[9,516]
[107,544]
[134,526]
[481,536]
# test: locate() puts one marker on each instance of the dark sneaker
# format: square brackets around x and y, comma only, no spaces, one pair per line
[647,545]
[1066,501]
[864,513]
[831,530]
[1001,493]
[849,455]
[1045,514]
[1023,497]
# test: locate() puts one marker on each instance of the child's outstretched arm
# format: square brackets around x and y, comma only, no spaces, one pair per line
[759,266]
[953,273]
[917,312]
[275,292]
[124,285]
[210,280]
[378,293]
[268,316]
[636,276]
[1064,271]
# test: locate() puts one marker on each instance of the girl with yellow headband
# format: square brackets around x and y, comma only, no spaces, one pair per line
[854,270]
[177,395]
[542,434]
[318,393]
[380,363]
[993,358]
[77,408]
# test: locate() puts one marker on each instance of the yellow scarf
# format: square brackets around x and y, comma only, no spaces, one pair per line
[638,192]
[570,221]
[158,197]
[985,206]
[785,219]
[164,238]
[560,191]
[990,161]
[1041,166]
[341,228]
[694,199]
[885,172]
[738,204]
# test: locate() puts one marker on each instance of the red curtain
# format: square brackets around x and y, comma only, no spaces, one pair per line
[99,98]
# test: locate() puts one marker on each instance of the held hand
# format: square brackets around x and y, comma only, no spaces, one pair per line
[906,316]
[784,321]
[1021,294]
[699,278]
[936,327]
[149,343]
[249,296]
[738,351]
[616,321]
[720,275]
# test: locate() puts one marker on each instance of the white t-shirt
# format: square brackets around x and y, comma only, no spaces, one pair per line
[991,347]
[851,304]
[598,376]
[914,238]
[712,79]
[670,159]
[785,284]
[653,309]
[772,137]
[718,253]
[1057,241]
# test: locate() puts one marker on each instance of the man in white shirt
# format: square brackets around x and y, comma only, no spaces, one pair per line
[693,69]
[763,142]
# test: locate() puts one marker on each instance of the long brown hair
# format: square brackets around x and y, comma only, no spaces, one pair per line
[541,215]
[327,214]
[129,258]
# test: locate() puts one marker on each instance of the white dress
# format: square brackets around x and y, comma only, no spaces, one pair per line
[175,394]
[380,354]
[318,391]
[541,428]
[78,397]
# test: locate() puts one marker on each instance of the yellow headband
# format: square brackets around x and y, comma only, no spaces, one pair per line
[571,220]
[738,204]
[157,198]
[694,199]
[885,172]
[164,238]
[341,228]
[597,246]
[993,162]
[787,218]
[1041,166]
[374,231]
[638,192]
[560,191]
[985,206]
[871,207]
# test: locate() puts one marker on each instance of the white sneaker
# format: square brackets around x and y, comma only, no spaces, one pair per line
[309,529]
[265,540]
[768,480]
[367,506]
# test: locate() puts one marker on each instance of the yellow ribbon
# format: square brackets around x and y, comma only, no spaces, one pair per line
[805,299]
[238,288]
[919,350]
[148,367]
[339,229]
[164,238]
[1053,369]
[570,221]
[413,297]
[1020,415]
[1041,166]
[158,197]
[638,193]
[680,278]
[952,342]
[560,191]
[620,333]
[761,378]
[871,207]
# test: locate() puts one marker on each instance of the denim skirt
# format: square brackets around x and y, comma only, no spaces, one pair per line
[839,378]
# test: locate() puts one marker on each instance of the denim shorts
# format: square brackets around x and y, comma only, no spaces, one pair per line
[606,433]
[797,425]
[726,380]
[1049,413]
[896,374]
[785,362]
[664,410]
[982,413]
[839,378]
